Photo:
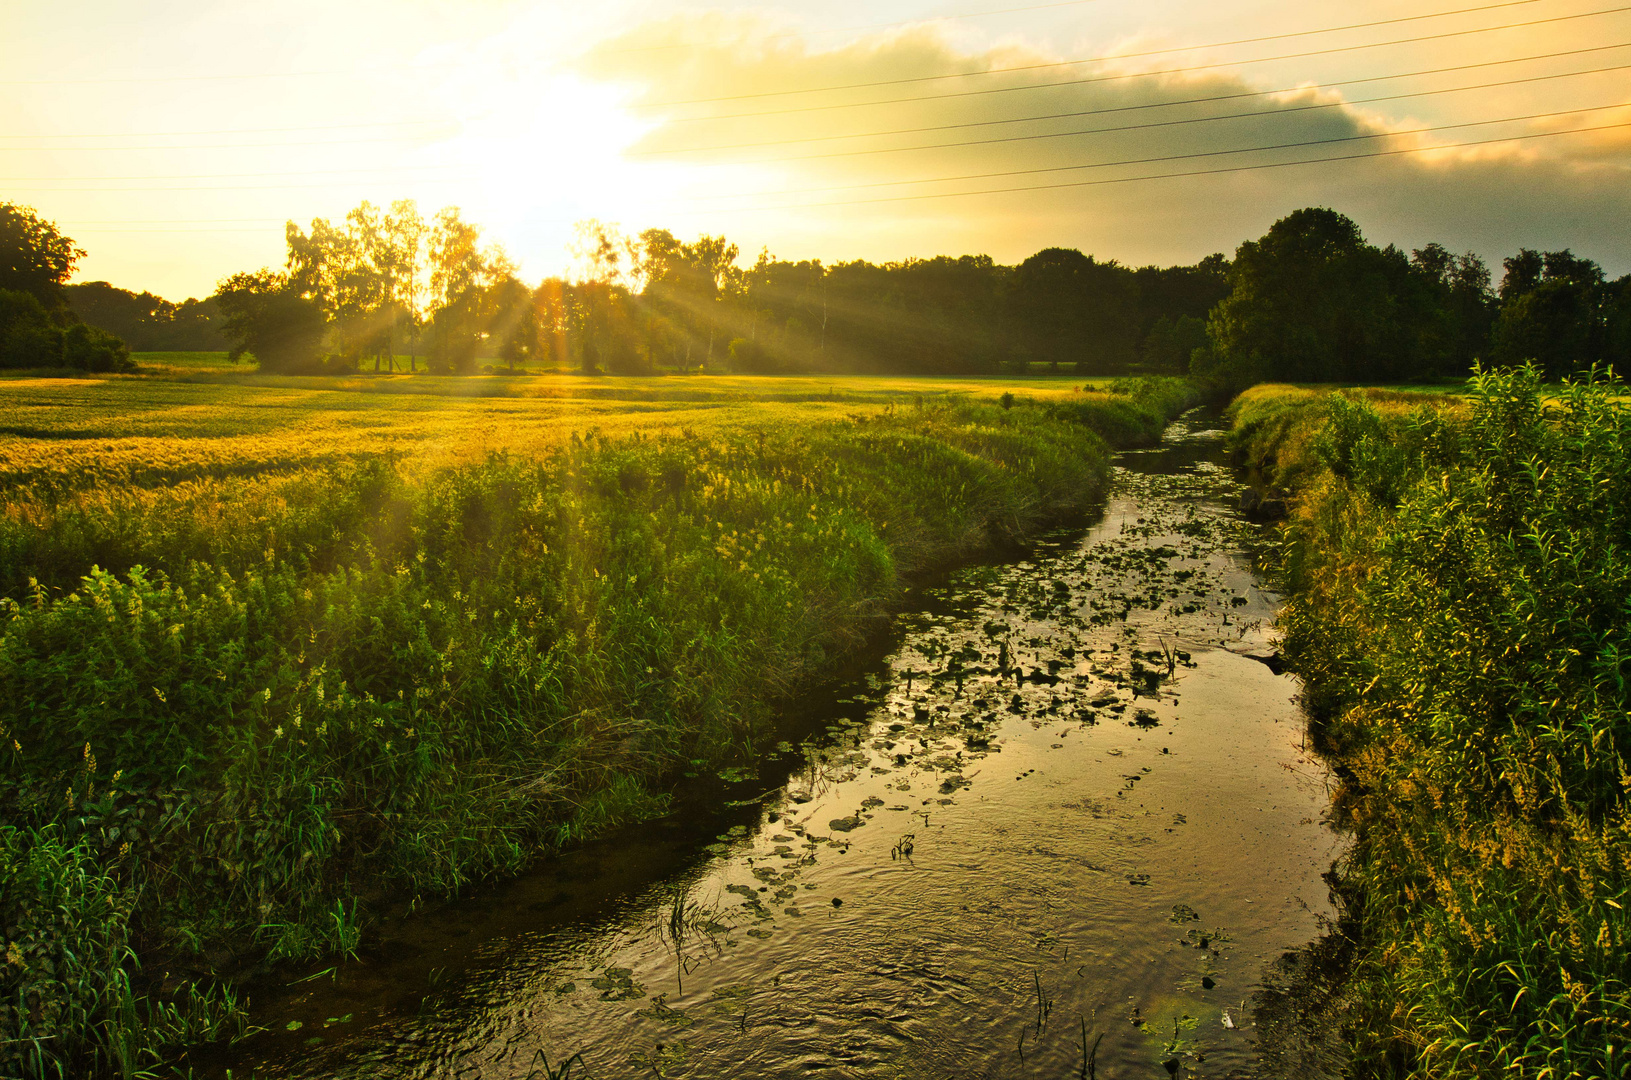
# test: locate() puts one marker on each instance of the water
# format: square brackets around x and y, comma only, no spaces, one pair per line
[1068,817]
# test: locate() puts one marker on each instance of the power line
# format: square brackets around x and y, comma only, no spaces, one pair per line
[970,142]
[1140,55]
[1180,175]
[236,176]
[234,131]
[1125,76]
[1228,169]
[854,29]
[227,146]
[419,180]
[1210,98]
[1287,110]
[1176,157]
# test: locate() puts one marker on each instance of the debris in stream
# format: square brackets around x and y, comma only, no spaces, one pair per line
[618,984]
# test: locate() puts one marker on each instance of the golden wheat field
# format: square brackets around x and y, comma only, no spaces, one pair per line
[175,426]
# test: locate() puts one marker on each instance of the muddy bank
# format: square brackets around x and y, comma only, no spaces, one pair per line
[1068,816]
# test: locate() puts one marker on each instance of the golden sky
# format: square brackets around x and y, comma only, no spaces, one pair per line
[173,138]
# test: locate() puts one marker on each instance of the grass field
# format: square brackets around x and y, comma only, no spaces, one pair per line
[277,650]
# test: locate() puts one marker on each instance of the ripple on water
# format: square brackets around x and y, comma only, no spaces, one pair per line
[1066,805]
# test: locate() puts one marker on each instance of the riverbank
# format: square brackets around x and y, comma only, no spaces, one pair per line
[251,697]
[1460,575]
[1064,810]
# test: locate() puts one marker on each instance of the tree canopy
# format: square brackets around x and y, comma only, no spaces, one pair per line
[35,258]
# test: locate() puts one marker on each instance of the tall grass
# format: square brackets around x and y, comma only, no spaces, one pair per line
[251,706]
[1461,611]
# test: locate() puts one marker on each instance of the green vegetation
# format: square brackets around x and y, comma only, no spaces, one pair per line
[276,650]
[1460,576]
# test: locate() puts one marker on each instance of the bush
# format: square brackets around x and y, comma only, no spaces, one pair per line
[1462,581]
[32,337]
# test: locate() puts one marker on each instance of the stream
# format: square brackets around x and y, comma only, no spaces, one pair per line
[1066,827]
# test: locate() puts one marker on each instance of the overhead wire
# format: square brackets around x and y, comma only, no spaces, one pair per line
[1046,65]
[1074,114]
[1180,157]
[1287,110]
[1120,76]
[1187,173]
[831,30]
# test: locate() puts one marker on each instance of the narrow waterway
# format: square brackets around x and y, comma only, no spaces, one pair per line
[1068,820]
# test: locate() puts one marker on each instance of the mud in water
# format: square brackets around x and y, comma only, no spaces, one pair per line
[1069,818]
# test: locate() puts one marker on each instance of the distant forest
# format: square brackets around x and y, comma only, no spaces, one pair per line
[149,323]
[1310,301]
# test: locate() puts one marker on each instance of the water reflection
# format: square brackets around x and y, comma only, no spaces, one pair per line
[1066,817]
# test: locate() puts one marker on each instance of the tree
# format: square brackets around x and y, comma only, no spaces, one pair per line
[1553,311]
[687,284]
[1312,302]
[604,256]
[1463,307]
[267,317]
[35,257]
[37,328]
[1071,308]
[1170,344]
[32,336]
[462,275]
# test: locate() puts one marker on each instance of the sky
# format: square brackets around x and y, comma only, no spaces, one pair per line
[172,139]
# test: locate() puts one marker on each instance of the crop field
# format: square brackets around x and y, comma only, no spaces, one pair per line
[279,650]
[75,433]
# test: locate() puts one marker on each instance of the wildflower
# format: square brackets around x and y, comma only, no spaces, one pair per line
[277,732]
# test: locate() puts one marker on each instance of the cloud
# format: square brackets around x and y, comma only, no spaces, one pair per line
[908,143]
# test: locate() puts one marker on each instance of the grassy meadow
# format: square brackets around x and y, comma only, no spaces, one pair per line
[279,650]
[1459,570]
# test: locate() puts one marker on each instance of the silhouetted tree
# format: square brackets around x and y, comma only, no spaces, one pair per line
[1553,311]
[1311,302]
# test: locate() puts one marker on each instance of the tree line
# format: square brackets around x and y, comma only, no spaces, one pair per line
[1311,301]
[385,288]
[148,323]
[382,285]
